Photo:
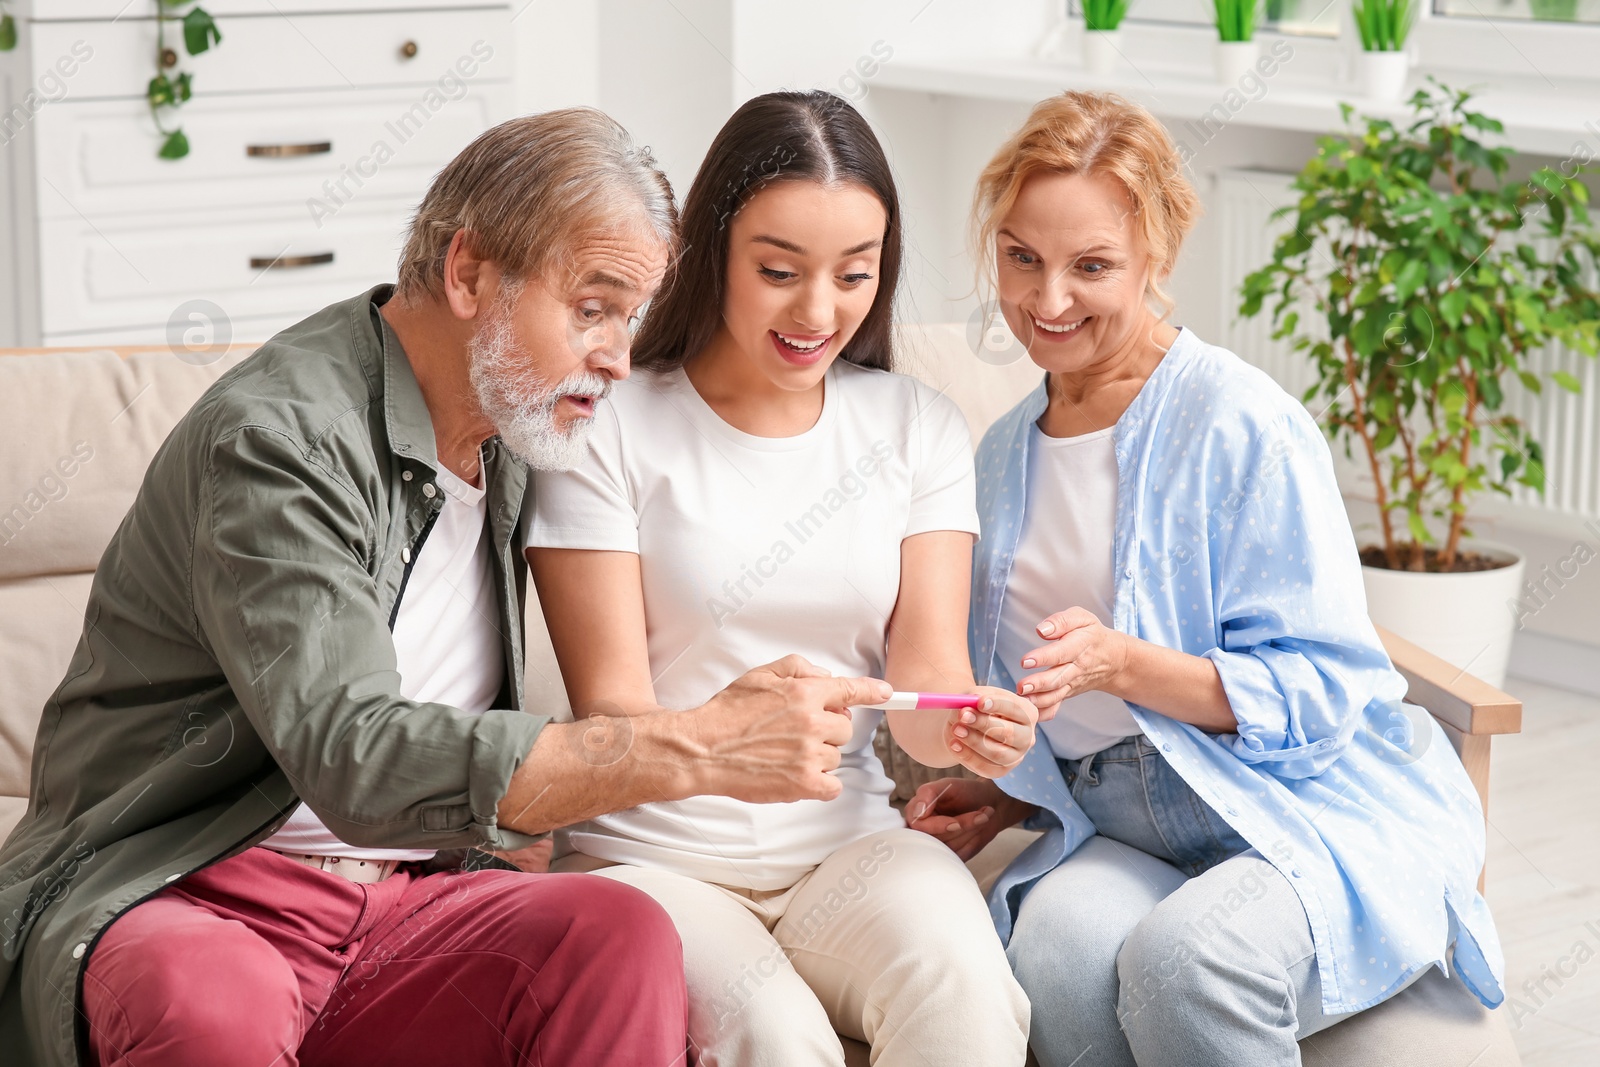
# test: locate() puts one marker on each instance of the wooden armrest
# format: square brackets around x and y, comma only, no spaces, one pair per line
[1469,704]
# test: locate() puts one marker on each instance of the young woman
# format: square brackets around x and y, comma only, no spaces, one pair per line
[1237,852]
[764,486]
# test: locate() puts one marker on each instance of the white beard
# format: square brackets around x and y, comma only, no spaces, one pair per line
[521,405]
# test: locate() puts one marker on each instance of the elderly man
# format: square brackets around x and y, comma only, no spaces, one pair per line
[295,713]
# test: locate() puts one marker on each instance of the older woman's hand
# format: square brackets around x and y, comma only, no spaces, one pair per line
[1083,654]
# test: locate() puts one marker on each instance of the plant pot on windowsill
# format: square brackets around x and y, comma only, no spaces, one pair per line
[1382,75]
[1460,615]
[1101,50]
[1235,52]
[1383,63]
[1102,38]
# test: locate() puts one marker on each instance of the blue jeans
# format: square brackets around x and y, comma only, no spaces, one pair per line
[1165,940]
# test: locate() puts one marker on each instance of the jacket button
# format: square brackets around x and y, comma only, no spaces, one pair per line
[405,476]
[428,490]
[405,554]
[79,949]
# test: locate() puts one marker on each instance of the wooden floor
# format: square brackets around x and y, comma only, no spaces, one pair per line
[1544,874]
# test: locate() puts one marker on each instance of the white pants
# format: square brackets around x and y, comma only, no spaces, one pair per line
[887,941]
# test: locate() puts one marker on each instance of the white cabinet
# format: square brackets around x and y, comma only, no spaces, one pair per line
[313,135]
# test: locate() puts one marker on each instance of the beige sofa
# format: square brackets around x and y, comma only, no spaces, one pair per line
[79,428]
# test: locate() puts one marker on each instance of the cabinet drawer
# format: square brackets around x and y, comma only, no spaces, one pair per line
[261,53]
[99,157]
[59,10]
[141,271]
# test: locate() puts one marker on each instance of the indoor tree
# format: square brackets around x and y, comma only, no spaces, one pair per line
[1419,280]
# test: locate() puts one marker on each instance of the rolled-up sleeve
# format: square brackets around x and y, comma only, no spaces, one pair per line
[285,602]
[1298,657]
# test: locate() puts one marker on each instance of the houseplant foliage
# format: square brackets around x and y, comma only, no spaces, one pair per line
[1236,19]
[1104,14]
[167,93]
[1412,259]
[1384,25]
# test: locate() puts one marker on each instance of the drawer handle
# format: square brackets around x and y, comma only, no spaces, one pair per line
[290,262]
[409,50]
[279,151]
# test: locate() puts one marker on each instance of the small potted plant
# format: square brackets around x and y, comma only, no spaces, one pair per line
[1412,280]
[1384,26]
[1102,38]
[1235,52]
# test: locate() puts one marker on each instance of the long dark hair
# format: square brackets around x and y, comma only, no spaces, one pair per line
[788,136]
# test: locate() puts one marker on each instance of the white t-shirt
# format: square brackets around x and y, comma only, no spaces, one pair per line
[1064,560]
[751,548]
[446,644]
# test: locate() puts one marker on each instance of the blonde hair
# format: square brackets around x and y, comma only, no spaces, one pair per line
[529,191]
[1093,133]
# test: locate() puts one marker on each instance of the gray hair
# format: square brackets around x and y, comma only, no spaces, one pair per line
[529,191]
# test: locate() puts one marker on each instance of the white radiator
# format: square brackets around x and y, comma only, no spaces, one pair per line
[1567,425]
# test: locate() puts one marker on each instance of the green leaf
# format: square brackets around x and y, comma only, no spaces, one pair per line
[8,33]
[176,146]
[1531,382]
[200,31]
[1410,278]
[1566,381]
[181,88]
[1419,529]
[160,92]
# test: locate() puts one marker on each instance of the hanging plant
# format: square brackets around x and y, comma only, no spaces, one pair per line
[168,92]
[8,29]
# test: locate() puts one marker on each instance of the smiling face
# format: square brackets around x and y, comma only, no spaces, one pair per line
[1071,269]
[547,351]
[803,265]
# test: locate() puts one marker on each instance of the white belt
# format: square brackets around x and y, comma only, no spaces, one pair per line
[345,867]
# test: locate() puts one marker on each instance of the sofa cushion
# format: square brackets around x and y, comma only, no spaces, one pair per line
[40,621]
[80,429]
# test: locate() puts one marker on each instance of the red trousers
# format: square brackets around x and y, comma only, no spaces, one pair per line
[259,961]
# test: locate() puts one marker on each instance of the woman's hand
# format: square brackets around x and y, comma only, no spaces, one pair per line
[964,813]
[1083,654]
[993,738]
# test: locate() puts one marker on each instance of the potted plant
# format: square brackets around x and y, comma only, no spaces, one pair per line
[1383,26]
[1235,52]
[1412,281]
[1102,39]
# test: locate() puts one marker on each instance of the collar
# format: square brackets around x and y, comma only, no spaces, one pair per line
[405,412]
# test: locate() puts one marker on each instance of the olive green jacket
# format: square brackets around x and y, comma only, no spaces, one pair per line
[237,658]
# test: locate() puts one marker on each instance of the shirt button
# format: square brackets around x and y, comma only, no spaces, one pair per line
[1127,572]
[79,949]
[405,554]
[1295,871]
[429,491]
[405,476]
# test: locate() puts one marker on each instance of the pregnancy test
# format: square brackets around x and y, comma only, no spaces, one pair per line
[926,702]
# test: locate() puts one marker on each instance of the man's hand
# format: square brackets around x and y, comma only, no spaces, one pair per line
[964,813]
[993,738]
[774,734]
[770,737]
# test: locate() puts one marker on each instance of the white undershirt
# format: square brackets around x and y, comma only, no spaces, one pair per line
[1064,559]
[446,643]
[751,548]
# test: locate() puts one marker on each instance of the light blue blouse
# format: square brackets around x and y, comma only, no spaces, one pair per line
[1232,543]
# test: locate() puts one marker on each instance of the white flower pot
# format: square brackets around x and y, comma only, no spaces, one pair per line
[1382,75]
[1465,619]
[1234,59]
[1101,50]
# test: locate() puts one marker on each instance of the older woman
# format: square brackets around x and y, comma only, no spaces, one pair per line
[1248,835]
